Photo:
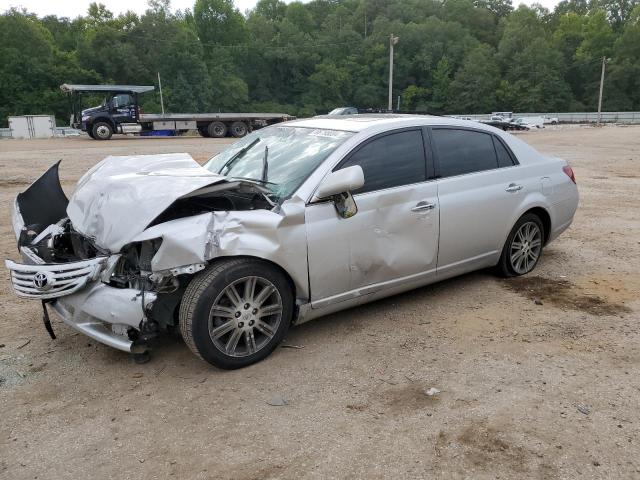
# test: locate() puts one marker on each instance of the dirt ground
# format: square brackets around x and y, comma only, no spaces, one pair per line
[539,377]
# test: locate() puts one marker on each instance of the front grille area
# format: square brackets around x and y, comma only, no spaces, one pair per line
[53,280]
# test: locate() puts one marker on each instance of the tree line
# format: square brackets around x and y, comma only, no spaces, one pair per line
[453,56]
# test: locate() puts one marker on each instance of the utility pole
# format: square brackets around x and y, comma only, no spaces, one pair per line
[604,63]
[392,41]
[365,20]
[160,87]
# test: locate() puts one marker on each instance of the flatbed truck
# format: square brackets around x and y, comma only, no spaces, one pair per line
[120,112]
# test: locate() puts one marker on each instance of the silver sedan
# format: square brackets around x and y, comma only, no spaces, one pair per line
[292,222]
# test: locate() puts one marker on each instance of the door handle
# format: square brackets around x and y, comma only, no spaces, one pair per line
[513,188]
[422,206]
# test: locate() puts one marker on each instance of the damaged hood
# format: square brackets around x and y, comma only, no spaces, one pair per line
[118,198]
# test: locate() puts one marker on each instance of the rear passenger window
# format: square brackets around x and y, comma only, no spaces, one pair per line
[390,161]
[463,151]
[504,159]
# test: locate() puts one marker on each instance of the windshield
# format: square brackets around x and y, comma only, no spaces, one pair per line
[290,156]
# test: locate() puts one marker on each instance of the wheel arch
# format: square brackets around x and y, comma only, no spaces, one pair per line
[267,261]
[544,217]
[105,120]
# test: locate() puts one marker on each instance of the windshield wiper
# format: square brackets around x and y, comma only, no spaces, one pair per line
[256,180]
[265,164]
[239,154]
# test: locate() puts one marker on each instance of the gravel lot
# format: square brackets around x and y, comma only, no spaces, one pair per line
[526,390]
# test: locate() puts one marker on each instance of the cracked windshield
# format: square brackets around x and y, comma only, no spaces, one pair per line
[280,158]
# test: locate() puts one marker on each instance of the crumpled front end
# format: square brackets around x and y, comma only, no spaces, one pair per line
[118,274]
[68,272]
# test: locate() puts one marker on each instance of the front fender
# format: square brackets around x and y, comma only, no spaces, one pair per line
[278,236]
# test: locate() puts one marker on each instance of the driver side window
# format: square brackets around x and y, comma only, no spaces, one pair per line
[122,100]
[390,161]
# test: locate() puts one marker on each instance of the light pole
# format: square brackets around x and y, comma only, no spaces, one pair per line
[604,63]
[392,41]
[160,87]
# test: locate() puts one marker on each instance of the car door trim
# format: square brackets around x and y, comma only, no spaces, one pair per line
[356,295]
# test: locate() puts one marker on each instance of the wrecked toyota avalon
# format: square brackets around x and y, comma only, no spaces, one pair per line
[292,222]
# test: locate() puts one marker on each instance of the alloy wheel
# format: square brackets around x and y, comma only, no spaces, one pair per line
[245,316]
[525,248]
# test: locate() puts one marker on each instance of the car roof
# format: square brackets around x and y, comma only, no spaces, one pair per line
[379,121]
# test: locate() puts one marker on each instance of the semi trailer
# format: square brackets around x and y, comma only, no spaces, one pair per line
[120,112]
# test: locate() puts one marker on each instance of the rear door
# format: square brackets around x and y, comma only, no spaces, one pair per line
[480,187]
[394,236]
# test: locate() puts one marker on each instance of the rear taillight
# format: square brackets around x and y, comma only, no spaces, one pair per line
[569,172]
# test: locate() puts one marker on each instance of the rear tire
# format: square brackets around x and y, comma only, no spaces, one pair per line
[236,312]
[217,130]
[523,248]
[102,131]
[239,129]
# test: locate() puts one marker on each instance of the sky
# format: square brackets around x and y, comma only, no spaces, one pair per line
[73,8]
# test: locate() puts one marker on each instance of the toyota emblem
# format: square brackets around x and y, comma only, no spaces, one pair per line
[41,281]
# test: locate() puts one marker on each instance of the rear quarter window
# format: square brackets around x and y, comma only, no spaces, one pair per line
[504,157]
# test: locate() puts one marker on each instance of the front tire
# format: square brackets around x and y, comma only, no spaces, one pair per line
[236,312]
[102,131]
[523,248]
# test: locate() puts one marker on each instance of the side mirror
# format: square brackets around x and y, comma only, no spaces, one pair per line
[338,185]
[341,181]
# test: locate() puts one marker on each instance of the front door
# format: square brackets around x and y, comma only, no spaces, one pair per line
[123,108]
[394,236]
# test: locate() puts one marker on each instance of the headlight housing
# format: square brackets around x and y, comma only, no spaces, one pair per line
[138,255]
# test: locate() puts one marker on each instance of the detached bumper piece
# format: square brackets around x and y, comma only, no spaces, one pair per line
[48,281]
[105,313]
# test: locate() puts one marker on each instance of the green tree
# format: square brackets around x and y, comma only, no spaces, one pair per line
[475,85]
[30,82]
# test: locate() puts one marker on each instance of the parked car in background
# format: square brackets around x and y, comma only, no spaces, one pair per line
[344,111]
[503,115]
[529,122]
[551,120]
[293,222]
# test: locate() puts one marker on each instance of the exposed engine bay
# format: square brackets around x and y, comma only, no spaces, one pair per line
[225,197]
[57,243]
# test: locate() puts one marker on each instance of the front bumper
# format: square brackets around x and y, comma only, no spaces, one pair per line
[105,313]
[82,301]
